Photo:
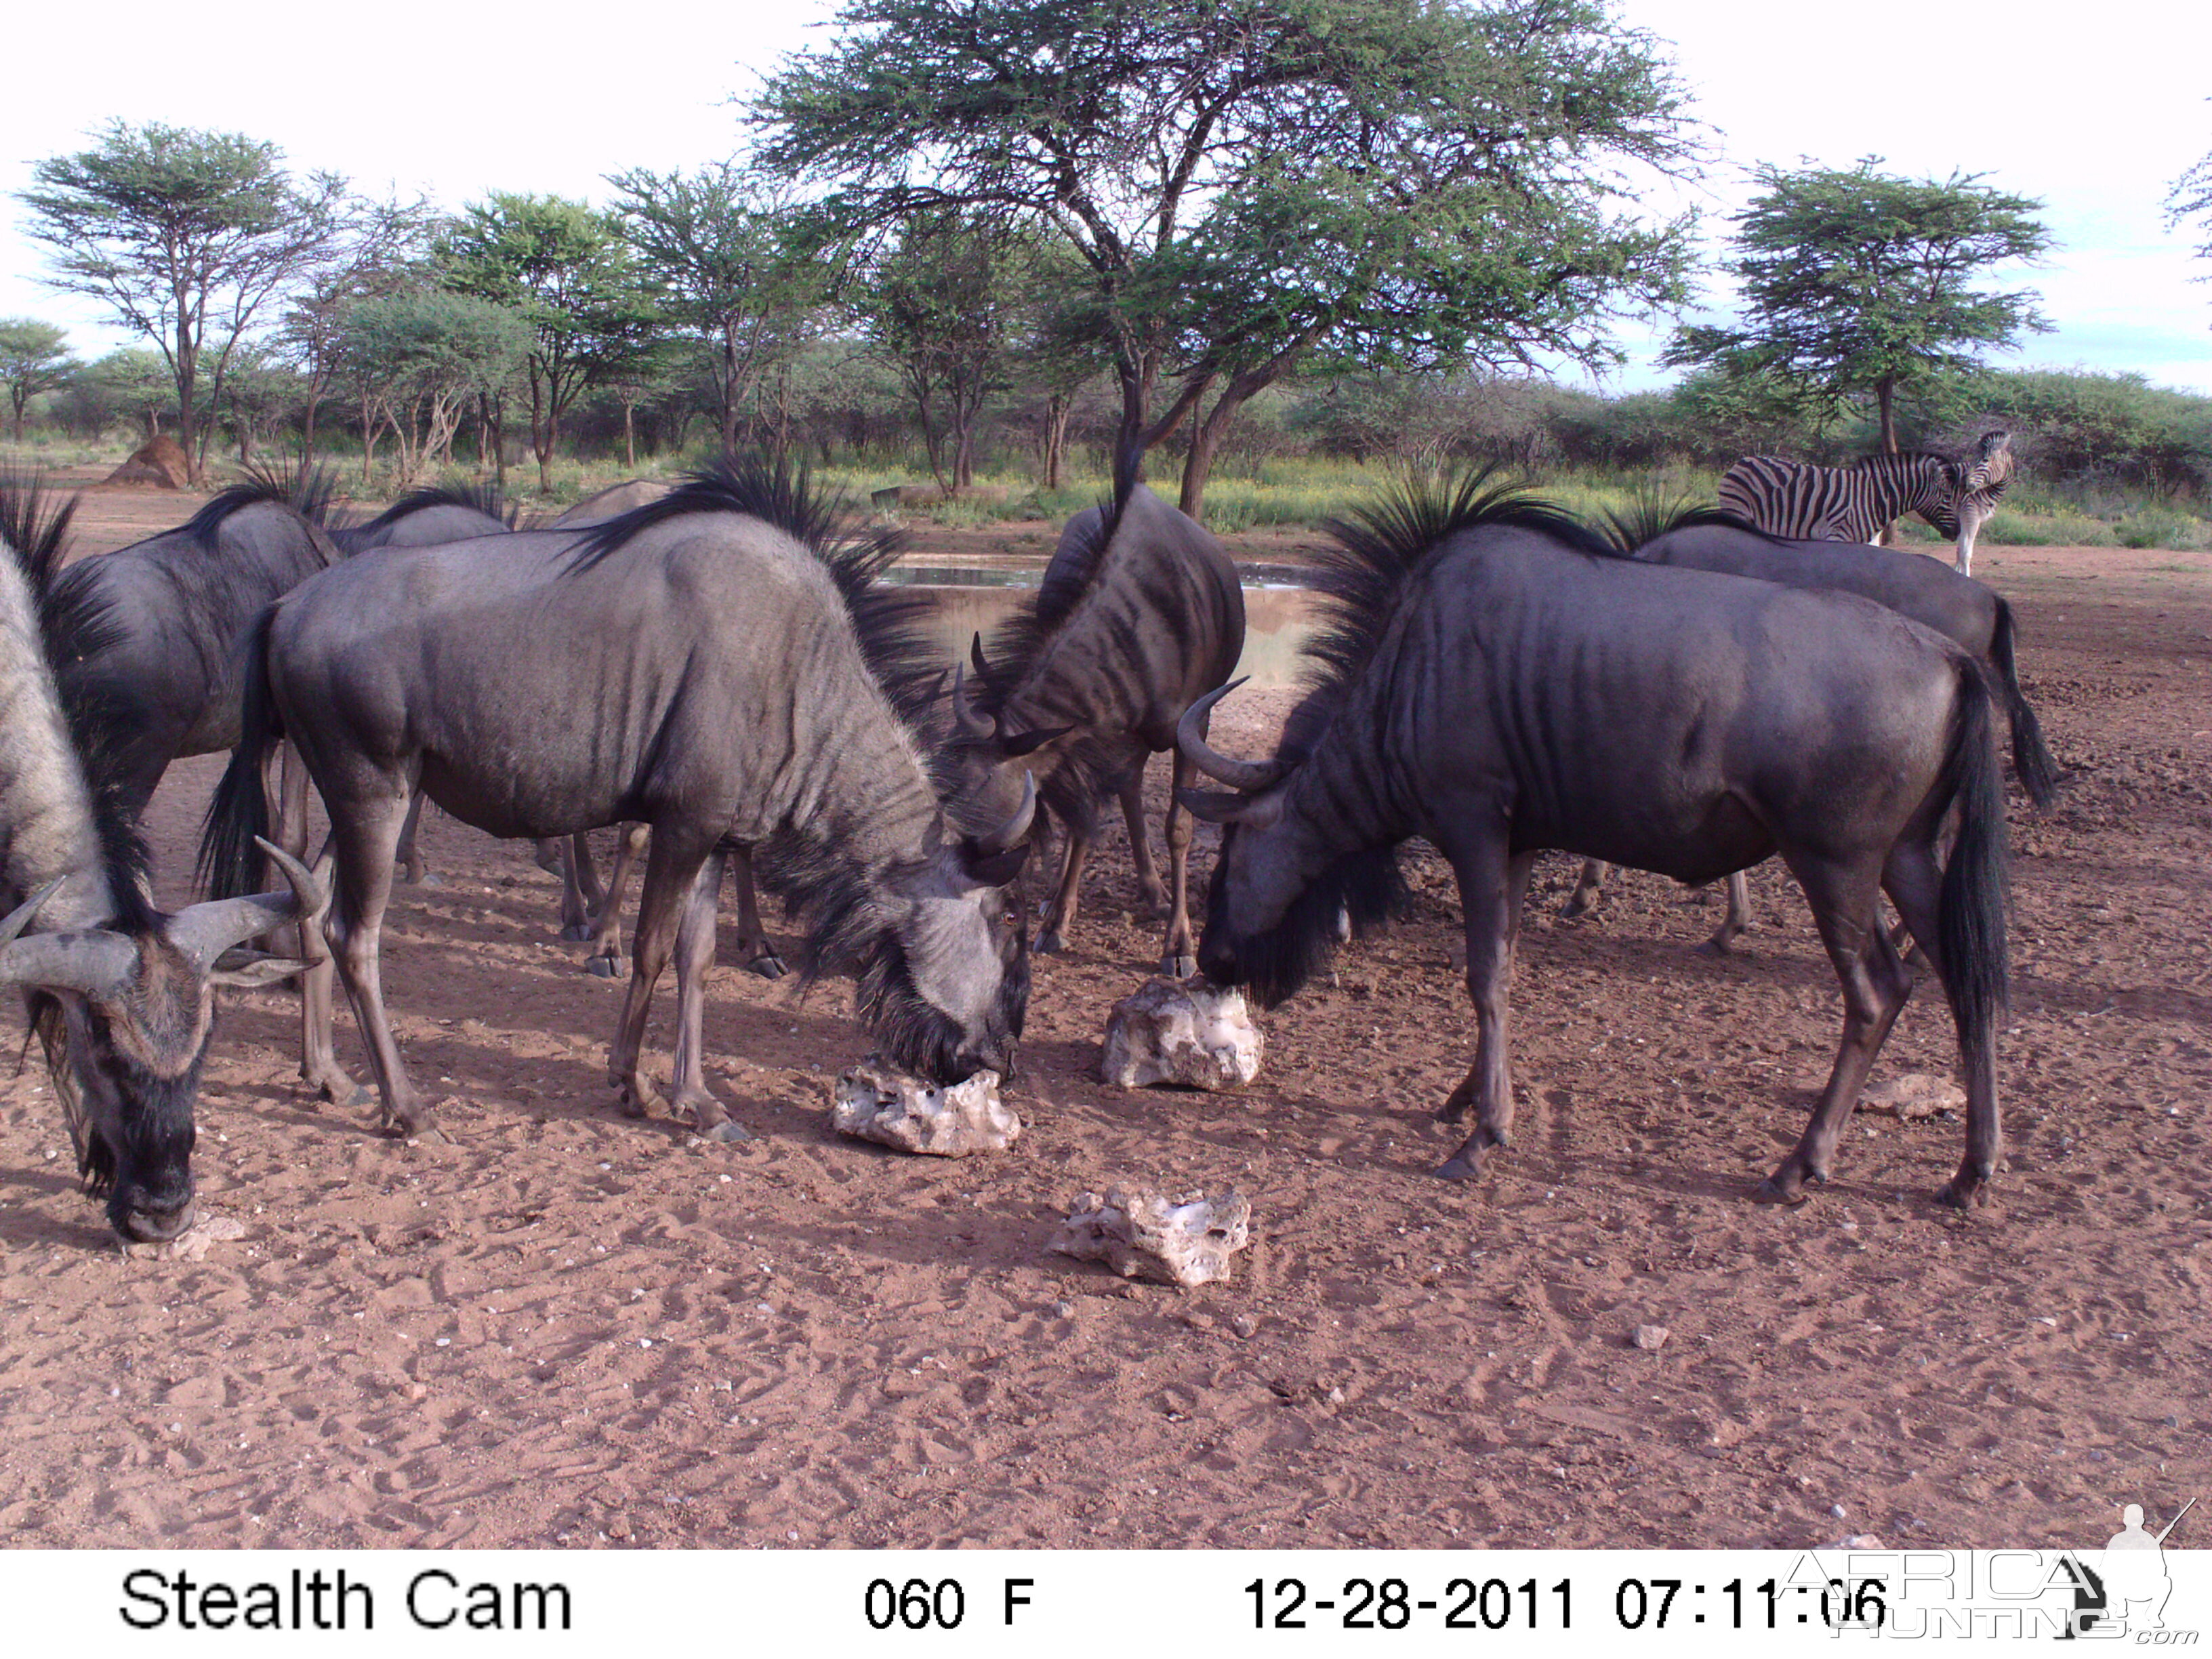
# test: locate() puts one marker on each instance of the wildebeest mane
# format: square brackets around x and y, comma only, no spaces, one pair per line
[484,496]
[309,494]
[1378,550]
[312,492]
[1650,515]
[887,621]
[74,621]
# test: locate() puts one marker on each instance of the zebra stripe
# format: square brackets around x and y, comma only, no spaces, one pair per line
[1801,502]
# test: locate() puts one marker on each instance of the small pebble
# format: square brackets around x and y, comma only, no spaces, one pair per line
[1245,1325]
[1650,1338]
[1838,1510]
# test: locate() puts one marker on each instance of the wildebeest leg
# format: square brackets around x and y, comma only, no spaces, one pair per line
[1054,936]
[1491,887]
[545,852]
[1179,957]
[366,831]
[1876,982]
[1151,897]
[694,954]
[411,855]
[754,951]
[1912,880]
[579,888]
[605,959]
[671,865]
[1738,917]
[1588,886]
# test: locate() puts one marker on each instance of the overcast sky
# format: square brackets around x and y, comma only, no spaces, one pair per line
[456,100]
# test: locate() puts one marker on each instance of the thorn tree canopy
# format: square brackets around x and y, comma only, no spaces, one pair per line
[1857,283]
[569,273]
[34,357]
[1251,181]
[184,235]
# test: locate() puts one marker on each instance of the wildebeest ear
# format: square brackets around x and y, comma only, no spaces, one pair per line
[993,869]
[1221,807]
[1026,743]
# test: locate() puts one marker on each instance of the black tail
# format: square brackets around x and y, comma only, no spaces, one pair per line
[2038,773]
[1970,919]
[230,863]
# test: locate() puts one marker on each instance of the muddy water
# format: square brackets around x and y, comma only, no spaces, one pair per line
[1277,619]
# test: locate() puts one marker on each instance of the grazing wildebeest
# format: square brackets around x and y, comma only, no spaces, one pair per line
[177,605]
[720,666]
[121,994]
[424,517]
[1498,679]
[1955,606]
[611,502]
[1854,503]
[1139,614]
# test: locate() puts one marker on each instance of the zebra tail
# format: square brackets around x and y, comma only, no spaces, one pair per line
[1970,921]
[2038,773]
[229,864]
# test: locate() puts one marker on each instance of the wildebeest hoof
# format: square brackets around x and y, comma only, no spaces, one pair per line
[1577,907]
[1048,944]
[602,967]
[342,1091]
[1460,1166]
[1779,1188]
[425,879]
[1965,1193]
[1176,967]
[638,1098]
[577,932]
[768,965]
[1717,946]
[727,1130]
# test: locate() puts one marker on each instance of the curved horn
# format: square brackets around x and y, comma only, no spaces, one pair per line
[98,963]
[1016,829]
[975,653]
[205,932]
[971,723]
[21,916]
[1250,776]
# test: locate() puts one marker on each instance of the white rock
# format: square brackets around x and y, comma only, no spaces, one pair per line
[191,1244]
[1651,1338]
[1190,1034]
[872,1101]
[1185,1240]
[1914,1095]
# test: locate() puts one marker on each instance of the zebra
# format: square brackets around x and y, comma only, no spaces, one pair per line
[1799,502]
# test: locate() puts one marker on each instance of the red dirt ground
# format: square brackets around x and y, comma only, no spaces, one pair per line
[564,1327]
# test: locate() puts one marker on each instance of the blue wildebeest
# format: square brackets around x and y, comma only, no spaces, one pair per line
[1496,679]
[1140,614]
[1956,607]
[121,994]
[177,605]
[720,666]
[1854,503]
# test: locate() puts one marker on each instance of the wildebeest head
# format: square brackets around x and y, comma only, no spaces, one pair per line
[1281,895]
[984,762]
[944,984]
[125,1012]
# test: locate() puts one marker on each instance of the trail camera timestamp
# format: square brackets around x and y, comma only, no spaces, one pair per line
[1499,1604]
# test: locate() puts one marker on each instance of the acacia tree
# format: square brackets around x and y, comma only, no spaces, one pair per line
[733,269]
[1249,181]
[2191,199]
[565,269]
[34,357]
[380,250]
[1859,284]
[184,235]
[419,361]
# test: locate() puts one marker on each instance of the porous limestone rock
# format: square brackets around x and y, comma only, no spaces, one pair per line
[1182,1032]
[1916,1094]
[875,1103]
[1185,1240]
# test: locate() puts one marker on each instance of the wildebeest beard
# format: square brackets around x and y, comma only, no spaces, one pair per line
[916,1035]
[1275,965]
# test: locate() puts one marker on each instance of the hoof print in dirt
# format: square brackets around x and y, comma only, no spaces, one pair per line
[1186,1241]
[874,1102]
[1192,1035]
[1915,1095]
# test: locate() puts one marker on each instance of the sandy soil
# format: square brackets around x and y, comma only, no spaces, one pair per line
[564,1327]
